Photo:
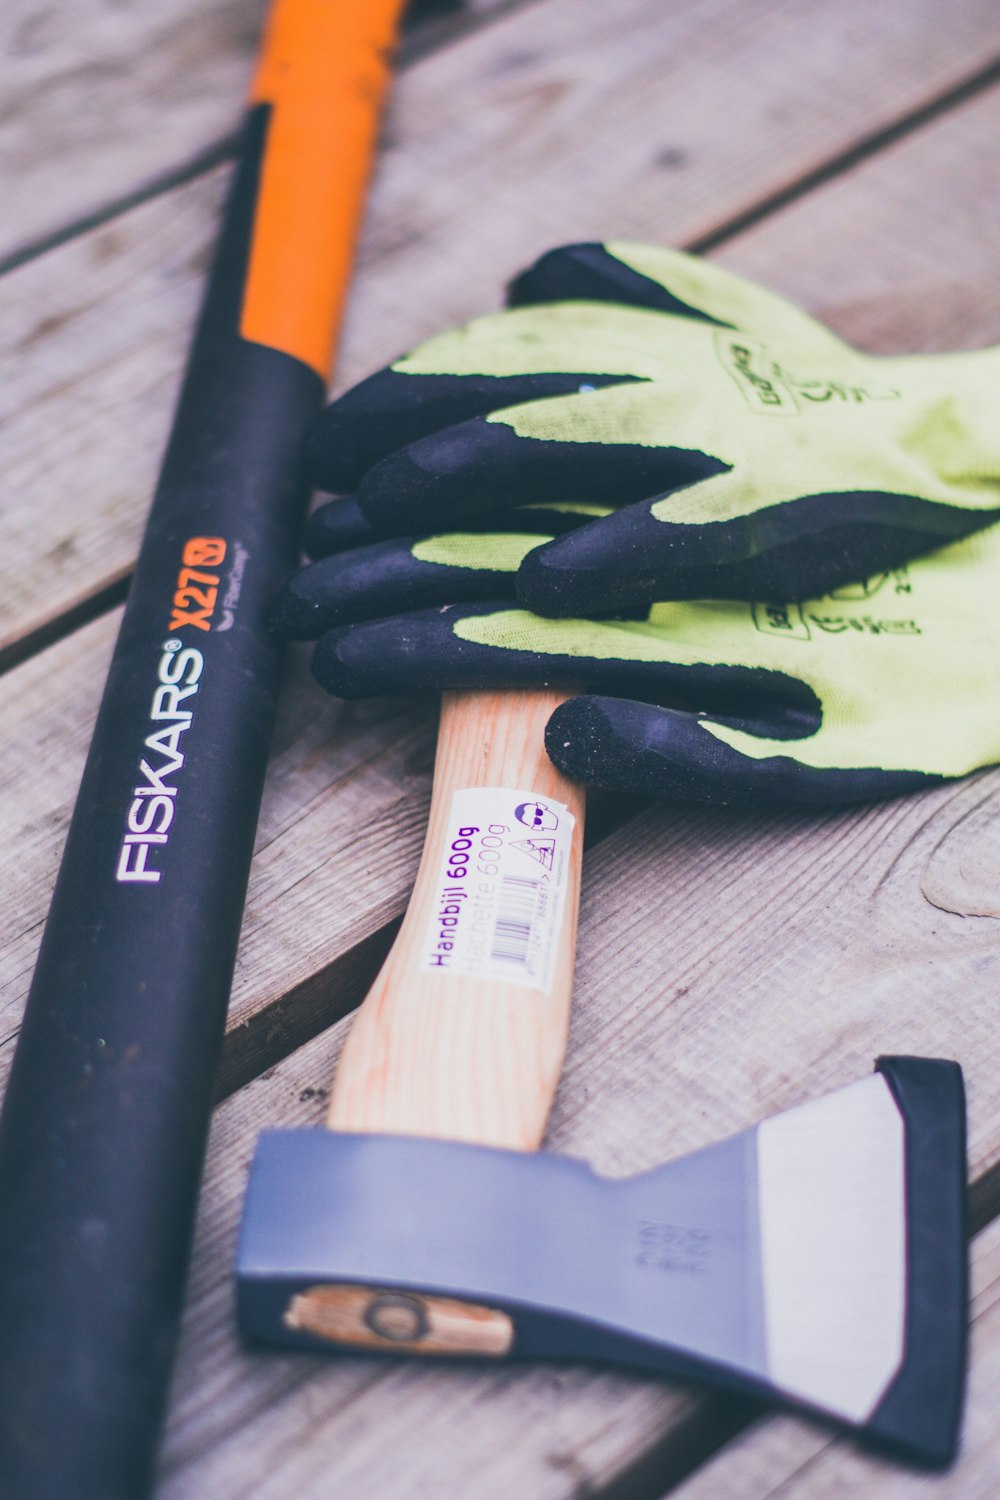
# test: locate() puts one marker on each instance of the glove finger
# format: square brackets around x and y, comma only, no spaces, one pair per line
[481,466]
[390,410]
[418,651]
[339,525]
[634,558]
[489,644]
[392,577]
[798,548]
[625,745]
[667,280]
[638,747]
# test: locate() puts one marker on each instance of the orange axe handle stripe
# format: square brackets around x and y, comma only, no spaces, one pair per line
[323,71]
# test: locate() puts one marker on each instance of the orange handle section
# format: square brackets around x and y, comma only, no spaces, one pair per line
[324,70]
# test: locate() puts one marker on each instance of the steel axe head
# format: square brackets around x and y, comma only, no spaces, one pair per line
[817,1259]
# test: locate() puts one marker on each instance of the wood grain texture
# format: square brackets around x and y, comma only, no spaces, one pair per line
[592,121]
[898,254]
[104,100]
[580,120]
[97,350]
[469,1058]
[101,98]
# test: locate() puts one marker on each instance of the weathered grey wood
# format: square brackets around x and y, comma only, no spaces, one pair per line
[781,1457]
[103,100]
[87,416]
[575,120]
[729,966]
[581,120]
[100,98]
[899,253]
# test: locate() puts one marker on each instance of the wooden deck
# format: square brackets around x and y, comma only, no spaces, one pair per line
[728,965]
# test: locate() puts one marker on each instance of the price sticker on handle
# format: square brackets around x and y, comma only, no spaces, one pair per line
[501,888]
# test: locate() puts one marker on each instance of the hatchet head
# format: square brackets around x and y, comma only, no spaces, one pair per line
[818,1258]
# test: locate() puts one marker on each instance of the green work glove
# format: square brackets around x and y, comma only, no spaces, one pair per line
[743,450]
[877,689]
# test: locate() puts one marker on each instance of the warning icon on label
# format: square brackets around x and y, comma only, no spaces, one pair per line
[541,849]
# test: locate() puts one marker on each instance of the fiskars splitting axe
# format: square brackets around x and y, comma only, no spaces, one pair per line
[818,1259]
[106,1112]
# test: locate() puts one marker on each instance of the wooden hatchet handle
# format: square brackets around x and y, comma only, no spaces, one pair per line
[435,1052]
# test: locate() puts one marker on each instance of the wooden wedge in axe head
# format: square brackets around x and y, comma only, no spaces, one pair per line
[818,1259]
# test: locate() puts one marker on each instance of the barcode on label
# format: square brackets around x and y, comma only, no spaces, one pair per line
[516,911]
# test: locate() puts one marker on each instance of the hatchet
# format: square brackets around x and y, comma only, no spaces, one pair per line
[817,1259]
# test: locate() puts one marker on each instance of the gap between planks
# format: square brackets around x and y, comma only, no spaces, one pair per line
[436,26]
[428,27]
[978,82]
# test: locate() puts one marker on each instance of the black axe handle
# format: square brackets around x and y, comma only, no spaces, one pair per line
[103,1128]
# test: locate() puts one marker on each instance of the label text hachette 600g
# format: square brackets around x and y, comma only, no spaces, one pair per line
[501,889]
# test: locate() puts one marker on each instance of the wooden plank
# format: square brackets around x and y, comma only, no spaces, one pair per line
[99,326]
[824,951]
[782,1457]
[103,101]
[100,98]
[899,255]
[579,120]
[99,349]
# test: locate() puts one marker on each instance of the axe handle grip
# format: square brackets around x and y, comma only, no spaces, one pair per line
[432,1053]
